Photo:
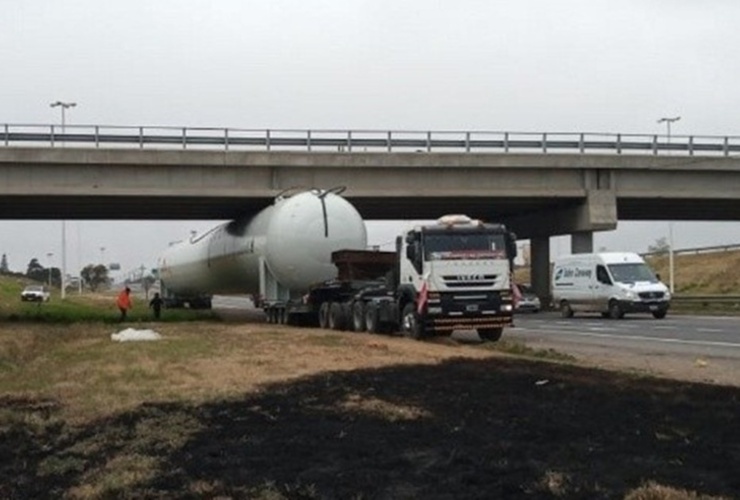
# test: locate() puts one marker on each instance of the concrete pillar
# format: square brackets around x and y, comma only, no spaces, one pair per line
[540,268]
[582,242]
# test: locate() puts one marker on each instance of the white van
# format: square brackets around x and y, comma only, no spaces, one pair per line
[611,283]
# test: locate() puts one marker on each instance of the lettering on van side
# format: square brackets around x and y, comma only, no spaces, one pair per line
[564,273]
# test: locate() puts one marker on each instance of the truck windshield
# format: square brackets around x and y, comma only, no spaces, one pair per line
[630,273]
[456,246]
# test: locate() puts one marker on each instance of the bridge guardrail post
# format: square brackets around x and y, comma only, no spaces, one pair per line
[655,144]
[141,137]
[467,142]
[544,142]
[52,136]
[308,140]
[726,147]
[97,136]
[691,145]
[267,139]
[349,141]
[226,139]
[390,141]
[6,134]
[429,141]
[184,138]
[506,142]
[581,143]
[619,144]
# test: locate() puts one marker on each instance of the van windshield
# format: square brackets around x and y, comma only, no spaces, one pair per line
[630,273]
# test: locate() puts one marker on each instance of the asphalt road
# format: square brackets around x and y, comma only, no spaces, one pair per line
[702,335]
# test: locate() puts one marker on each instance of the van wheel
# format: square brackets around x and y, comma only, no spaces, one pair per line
[490,334]
[565,310]
[615,312]
[659,314]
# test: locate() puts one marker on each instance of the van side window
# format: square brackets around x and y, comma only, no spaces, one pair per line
[602,276]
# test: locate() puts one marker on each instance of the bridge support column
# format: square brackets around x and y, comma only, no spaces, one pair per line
[582,242]
[540,268]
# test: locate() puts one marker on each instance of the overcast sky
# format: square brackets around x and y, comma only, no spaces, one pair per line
[537,65]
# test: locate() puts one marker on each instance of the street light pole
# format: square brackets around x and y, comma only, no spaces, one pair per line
[49,255]
[668,122]
[64,106]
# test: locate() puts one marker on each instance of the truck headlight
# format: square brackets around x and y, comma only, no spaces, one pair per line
[667,296]
[506,307]
[629,294]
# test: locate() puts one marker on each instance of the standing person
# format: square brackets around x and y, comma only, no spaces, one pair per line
[124,302]
[156,305]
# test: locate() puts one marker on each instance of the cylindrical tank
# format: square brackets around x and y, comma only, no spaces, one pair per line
[294,238]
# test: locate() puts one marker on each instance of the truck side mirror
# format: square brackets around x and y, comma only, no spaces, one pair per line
[411,253]
[511,248]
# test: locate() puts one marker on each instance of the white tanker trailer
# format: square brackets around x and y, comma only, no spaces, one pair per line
[304,260]
[275,255]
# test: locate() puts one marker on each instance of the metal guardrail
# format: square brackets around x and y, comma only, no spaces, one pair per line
[361,140]
[696,250]
[707,300]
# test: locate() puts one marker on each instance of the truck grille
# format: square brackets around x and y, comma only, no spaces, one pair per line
[651,295]
[469,280]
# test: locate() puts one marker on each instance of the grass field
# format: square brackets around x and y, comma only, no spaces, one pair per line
[218,409]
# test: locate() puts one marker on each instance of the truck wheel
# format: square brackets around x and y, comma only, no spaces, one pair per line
[410,324]
[490,334]
[659,314]
[336,316]
[615,312]
[358,316]
[372,322]
[565,310]
[324,315]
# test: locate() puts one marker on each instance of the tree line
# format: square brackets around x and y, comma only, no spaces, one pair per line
[94,276]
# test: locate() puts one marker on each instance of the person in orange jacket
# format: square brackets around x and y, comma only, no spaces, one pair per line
[124,302]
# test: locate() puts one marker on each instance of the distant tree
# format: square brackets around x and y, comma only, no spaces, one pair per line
[660,246]
[4,265]
[94,276]
[36,271]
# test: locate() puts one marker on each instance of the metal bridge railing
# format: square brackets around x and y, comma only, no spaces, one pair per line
[109,136]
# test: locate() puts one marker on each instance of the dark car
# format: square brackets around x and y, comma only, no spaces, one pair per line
[529,301]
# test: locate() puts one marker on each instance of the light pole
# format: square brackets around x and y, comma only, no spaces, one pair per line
[49,255]
[64,106]
[668,122]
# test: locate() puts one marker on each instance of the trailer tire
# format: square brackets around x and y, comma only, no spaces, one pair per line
[324,315]
[411,326]
[490,334]
[358,316]
[336,316]
[372,320]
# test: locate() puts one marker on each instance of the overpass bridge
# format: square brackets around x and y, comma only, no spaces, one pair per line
[541,184]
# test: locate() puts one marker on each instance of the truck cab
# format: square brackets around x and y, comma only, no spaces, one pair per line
[455,274]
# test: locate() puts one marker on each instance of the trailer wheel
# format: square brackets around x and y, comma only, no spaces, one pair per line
[372,321]
[411,326]
[324,315]
[358,316]
[336,316]
[490,334]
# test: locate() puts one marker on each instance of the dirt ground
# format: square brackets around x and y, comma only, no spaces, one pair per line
[311,414]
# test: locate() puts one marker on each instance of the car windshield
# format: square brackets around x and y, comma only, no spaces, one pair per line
[630,273]
[469,246]
[34,288]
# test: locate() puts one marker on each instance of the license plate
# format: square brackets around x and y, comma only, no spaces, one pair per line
[653,308]
[471,307]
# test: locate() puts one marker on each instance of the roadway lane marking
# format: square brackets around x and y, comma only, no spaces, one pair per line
[709,330]
[652,339]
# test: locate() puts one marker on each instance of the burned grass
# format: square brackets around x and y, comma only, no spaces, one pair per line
[261,412]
